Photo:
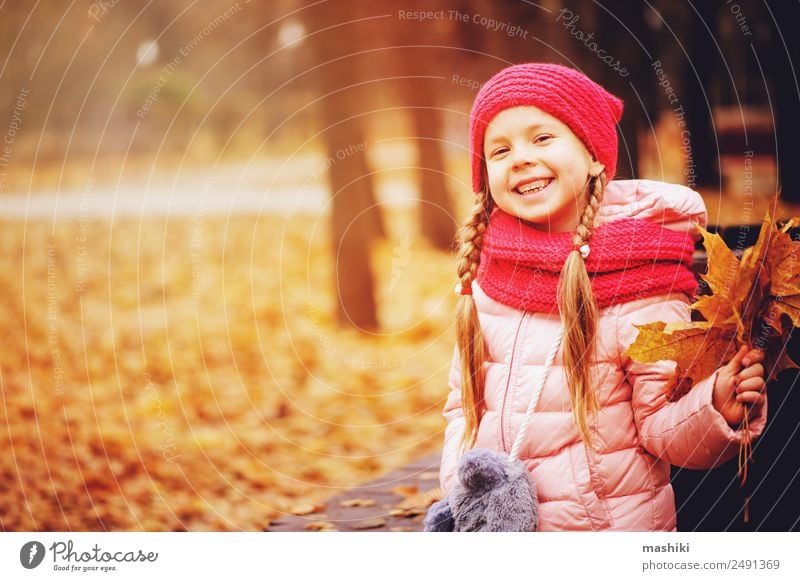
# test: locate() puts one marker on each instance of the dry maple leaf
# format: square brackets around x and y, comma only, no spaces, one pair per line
[405,490]
[323,526]
[356,502]
[696,347]
[303,509]
[370,523]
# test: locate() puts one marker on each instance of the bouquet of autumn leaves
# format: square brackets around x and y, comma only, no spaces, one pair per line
[754,302]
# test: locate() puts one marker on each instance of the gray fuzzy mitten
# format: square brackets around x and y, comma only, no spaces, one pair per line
[439,518]
[490,494]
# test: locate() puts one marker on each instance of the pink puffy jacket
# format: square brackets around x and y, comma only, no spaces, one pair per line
[625,483]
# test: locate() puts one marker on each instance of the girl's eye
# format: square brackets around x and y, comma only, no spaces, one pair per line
[542,138]
[498,151]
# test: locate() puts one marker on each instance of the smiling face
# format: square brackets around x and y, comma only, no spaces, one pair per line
[537,168]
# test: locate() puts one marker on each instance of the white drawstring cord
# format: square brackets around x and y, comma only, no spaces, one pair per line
[535,398]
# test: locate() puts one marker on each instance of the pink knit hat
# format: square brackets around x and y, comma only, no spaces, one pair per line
[585,107]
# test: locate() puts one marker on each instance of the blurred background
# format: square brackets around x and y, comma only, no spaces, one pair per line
[226,227]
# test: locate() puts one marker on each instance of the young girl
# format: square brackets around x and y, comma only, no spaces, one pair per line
[553,241]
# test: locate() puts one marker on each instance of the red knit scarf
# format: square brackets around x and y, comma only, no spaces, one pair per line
[629,259]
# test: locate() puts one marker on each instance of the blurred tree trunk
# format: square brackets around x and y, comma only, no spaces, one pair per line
[420,93]
[424,69]
[436,210]
[356,219]
[355,223]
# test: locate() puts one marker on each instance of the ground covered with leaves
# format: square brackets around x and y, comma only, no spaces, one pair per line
[186,373]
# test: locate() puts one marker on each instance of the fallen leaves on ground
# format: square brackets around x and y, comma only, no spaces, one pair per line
[370,523]
[353,502]
[323,526]
[186,373]
[303,509]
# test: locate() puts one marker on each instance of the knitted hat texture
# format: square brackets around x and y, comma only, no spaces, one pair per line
[585,107]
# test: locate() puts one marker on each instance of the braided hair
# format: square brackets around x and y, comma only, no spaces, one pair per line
[579,315]
[576,302]
[469,337]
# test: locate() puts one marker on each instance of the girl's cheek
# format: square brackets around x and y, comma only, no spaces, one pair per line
[495,173]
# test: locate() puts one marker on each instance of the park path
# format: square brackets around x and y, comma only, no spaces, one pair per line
[268,186]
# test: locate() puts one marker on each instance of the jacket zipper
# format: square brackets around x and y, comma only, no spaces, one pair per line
[508,383]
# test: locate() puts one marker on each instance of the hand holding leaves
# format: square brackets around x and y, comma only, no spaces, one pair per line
[754,303]
[749,305]
[739,390]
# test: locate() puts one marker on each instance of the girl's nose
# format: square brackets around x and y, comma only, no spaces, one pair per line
[523,156]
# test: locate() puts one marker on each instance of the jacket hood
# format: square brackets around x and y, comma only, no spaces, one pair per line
[674,206]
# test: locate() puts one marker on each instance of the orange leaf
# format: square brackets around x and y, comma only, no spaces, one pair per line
[718,308]
[698,348]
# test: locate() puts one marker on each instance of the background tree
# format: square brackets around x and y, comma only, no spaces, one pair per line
[356,220]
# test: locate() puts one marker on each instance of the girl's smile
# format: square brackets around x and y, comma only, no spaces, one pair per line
[537,168]
[533,186]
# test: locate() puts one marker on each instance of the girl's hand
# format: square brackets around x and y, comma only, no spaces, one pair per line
[740,387]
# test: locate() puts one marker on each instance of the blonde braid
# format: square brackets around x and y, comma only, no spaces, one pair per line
[469,336]
[579,313]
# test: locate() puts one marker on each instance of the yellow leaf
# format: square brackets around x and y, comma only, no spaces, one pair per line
[718,308]
[752,281]
[322,525]
[371,523]
[405,490]
[357,502]
[783,264]
[303,509]
[698,348]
